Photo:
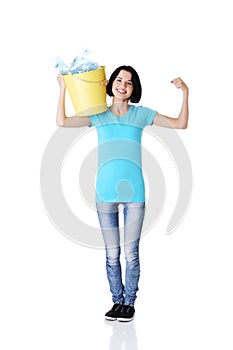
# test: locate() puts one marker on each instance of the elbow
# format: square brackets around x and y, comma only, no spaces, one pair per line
[60,124]
[182,121]
[182,125]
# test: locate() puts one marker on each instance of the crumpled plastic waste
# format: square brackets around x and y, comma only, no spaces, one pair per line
[80,64]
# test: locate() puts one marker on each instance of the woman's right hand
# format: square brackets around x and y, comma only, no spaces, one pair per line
[61,81]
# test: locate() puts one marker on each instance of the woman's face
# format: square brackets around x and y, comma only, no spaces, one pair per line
[122,86]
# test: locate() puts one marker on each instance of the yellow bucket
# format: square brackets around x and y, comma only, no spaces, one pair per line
[87,95]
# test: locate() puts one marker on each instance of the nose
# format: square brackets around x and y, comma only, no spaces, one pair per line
[123,84]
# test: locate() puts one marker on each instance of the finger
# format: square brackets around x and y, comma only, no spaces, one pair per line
[105,82]
[176,80]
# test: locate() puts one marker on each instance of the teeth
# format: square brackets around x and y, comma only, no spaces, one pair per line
[121,91]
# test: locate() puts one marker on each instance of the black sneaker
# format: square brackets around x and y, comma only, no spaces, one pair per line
[126,314]
[113,313]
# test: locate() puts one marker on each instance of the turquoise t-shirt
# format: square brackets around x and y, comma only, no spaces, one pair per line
[119,176]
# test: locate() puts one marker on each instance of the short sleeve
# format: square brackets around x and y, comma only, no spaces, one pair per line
[93,119]
[97,119]
[146,115]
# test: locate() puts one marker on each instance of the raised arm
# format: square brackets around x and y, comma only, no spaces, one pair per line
[182,121]
[62,120]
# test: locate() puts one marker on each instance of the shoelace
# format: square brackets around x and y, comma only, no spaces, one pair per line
[126,308]
[116,307]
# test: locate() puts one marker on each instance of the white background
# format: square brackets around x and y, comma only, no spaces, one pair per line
[54,292]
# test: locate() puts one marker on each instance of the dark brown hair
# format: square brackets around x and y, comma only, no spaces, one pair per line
[137,88]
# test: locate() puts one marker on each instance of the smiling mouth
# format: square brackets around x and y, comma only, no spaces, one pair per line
[120,91]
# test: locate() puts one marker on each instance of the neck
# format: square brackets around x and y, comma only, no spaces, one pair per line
[119,107]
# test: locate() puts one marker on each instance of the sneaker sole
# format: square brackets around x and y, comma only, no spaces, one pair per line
[110,318]
[125,319]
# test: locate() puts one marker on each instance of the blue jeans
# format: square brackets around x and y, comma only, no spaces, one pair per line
[108,214]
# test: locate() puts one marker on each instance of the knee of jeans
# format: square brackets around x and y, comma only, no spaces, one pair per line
[131,255]
[113,255]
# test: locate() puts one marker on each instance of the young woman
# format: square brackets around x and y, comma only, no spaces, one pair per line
[120,179]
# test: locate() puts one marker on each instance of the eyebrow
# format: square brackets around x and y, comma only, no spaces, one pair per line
[122,78]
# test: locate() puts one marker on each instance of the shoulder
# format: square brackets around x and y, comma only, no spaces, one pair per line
[101,118]
[142,115]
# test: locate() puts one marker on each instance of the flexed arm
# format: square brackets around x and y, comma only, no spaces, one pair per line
[182,121]
[62,119]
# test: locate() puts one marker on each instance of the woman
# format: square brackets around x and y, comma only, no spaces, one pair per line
[120,179]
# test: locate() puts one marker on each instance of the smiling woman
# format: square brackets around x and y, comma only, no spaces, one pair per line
[122,86]
[120,178]
[127,75]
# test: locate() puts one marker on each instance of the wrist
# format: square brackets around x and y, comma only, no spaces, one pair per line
[186,92]
[63,90]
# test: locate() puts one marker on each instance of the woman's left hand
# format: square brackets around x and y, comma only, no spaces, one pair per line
[180,84]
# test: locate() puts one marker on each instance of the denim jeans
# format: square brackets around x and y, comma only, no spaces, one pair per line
[108,214]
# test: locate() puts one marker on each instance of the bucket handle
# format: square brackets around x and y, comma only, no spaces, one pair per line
[104,82]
